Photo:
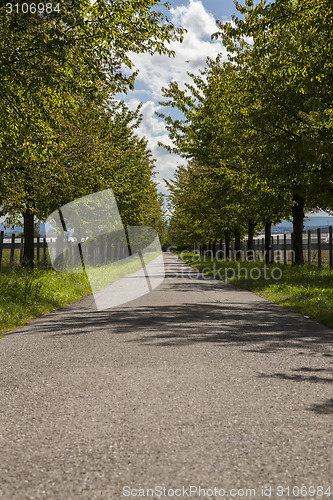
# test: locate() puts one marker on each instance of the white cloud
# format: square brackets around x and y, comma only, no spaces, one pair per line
[195,18]
[151,123]
[157,71]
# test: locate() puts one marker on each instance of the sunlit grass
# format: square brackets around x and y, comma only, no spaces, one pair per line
[307,290]
[106,274]
[26,294]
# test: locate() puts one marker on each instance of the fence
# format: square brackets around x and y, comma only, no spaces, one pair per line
[317,248]
[11,251]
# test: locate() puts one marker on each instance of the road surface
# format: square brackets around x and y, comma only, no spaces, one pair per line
[195,385]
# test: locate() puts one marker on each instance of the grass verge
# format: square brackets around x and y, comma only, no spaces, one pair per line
[303,289]
[26,294]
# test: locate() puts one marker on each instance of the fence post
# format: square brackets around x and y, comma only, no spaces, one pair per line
[21,249]
[330,246]
[272,249]
[50,248]
[285,248]
[214,249]
[309,247]
[278,248]
[44,250]
[1,246]
[38,249]
[263,248]
[292,247]
[319,247]
[12,249]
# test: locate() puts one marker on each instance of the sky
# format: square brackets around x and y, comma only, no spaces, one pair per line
[199,18]
[155,72]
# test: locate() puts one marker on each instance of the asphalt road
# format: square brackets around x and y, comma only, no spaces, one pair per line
[195,384]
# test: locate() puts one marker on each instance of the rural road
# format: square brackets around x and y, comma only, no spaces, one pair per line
[197,384]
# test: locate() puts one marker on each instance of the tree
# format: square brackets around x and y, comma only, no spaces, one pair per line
[96,149]
[281,53]
[54,64]
[233,197]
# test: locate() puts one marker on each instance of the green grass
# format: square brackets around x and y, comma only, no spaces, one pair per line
[26,294]
[303,289]
[5,264]
[104,275]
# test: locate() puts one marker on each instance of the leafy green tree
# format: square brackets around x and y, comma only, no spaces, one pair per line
[54,64]
[281,53]
[233,197]
[94,150]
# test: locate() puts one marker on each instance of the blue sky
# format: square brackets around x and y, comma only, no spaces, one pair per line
[219,8]
[198,17]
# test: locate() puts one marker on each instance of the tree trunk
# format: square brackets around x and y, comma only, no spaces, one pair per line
[227,245]
[250,254]
[251,235]
[214,248]
[28,251]
[268,226]
[237,243]
[298,220]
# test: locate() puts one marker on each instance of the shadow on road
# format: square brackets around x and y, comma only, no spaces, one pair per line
[325,408]
[260,327]
[255,325]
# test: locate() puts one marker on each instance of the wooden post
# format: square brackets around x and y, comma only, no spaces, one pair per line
[70,251]
[44,250]
[278,248]
[38,249]
[263,247]
[12,249]
[227,245]
[109,248]
[237,245]
[330,246]
[2,233]
[214,249]
[319,246]
[21,249]
[50,248]
[268,241]
[101,240]
[272,249]
[309,247]
[285,249]
[292,247]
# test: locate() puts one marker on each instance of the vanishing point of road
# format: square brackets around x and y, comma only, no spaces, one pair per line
[195,385]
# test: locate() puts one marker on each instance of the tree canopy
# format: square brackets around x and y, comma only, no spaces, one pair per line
[263,118]
[63,131]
